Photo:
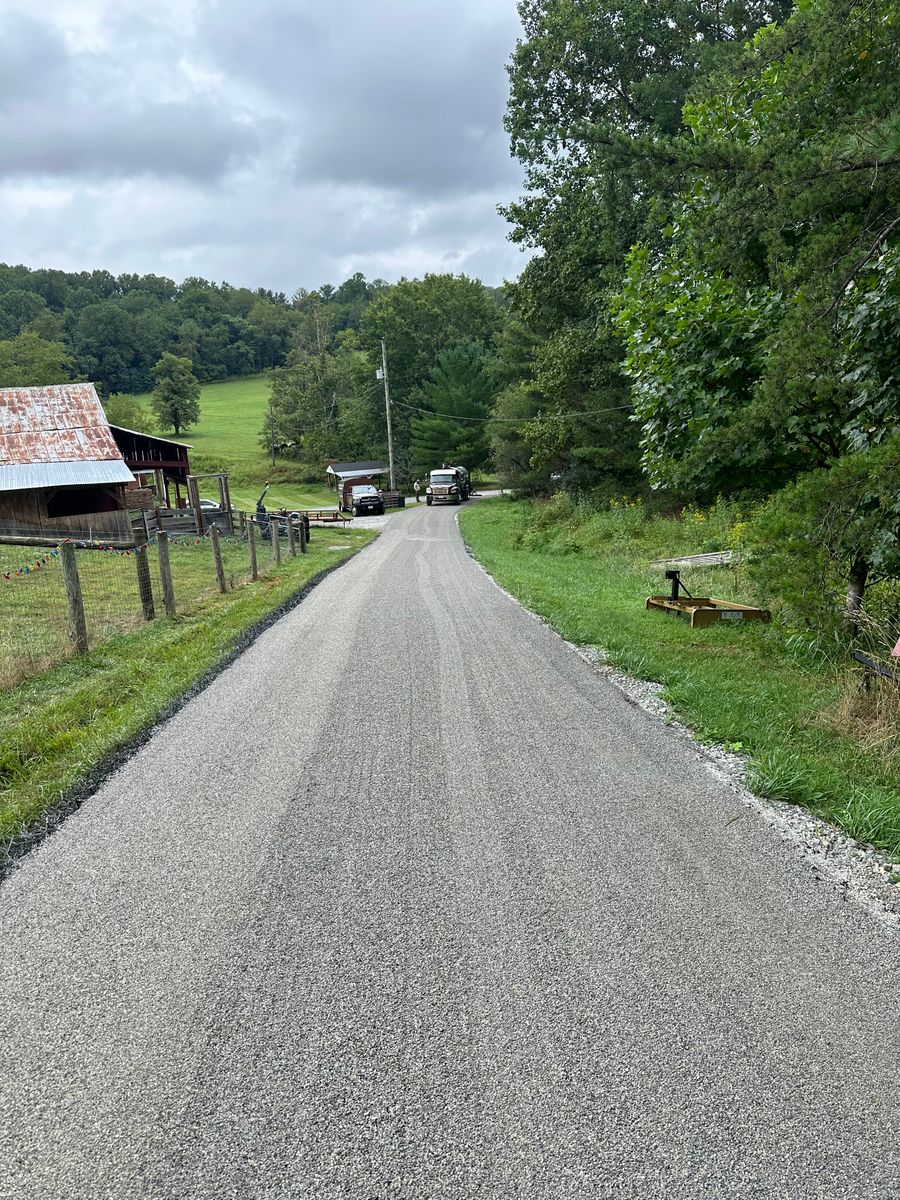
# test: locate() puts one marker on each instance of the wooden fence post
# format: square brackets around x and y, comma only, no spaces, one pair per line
[142,565]
[217,559]
[251,539]
[74,598]
[276,538]
[303,533]
[165,573]
[292,544]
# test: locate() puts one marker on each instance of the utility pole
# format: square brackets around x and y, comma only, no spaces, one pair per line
[387,410]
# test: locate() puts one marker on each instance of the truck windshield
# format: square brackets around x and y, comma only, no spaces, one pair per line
[442,477]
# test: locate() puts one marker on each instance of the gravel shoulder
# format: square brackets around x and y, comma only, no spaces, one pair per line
[499,933]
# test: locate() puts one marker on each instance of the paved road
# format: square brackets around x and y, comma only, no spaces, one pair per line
[410,903]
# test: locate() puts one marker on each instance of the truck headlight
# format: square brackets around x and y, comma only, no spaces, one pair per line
[454,489]
[428,491]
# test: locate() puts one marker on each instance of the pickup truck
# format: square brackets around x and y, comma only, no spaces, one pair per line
[364,499]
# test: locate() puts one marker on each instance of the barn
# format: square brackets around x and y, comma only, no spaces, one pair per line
[61,472]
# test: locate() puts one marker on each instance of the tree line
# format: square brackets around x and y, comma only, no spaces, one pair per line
[113,330]
[713,190]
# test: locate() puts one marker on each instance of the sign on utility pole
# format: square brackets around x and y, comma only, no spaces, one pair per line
[383,374]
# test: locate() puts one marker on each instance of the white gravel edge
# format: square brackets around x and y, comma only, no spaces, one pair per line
[861,874]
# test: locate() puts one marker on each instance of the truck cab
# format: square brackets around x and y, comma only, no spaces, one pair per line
[364,498]
[448,485]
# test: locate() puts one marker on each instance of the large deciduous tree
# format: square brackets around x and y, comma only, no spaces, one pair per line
[30,361]
[420,319]
[595,89]
[176,394]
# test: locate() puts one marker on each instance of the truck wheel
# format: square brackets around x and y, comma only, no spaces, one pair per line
[355,511]
[428,501]
[457,499]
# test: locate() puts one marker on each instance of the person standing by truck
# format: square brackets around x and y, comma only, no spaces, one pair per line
[417,487]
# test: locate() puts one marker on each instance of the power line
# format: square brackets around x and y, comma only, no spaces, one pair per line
[594,412]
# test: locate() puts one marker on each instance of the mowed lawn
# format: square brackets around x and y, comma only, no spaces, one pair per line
[231,417]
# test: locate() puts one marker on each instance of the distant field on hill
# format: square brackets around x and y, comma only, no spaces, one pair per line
[231,416]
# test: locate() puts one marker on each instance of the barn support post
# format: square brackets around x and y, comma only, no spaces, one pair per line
[292,543]
[142,565]
[194,503]
[217,559]
[74,598]
[165,573]
[251,539]
[275,526]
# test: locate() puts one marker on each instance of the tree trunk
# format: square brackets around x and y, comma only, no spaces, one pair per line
[859,574]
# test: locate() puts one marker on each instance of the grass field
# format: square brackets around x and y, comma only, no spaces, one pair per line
[231,417]
[56,727]
[34,632]
[751,688]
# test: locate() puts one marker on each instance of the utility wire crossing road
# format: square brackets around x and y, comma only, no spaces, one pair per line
[411,903]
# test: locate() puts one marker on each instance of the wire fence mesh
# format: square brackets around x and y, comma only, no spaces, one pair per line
[120,589]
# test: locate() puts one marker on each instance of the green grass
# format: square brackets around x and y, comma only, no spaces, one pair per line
[34,634]
[750,687]
[57,727]
[227,435]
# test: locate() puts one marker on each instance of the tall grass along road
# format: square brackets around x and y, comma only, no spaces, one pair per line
[409,902]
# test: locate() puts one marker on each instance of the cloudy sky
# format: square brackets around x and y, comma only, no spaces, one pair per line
[276,143]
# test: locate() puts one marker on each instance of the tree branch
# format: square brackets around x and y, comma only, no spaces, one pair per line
[858,266]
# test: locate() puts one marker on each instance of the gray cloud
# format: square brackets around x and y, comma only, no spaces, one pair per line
[283,144]
[67,114]
[406,95]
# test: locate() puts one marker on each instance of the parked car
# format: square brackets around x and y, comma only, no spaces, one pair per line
[364,499]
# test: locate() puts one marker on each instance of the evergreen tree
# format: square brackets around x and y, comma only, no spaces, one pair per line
[456,398]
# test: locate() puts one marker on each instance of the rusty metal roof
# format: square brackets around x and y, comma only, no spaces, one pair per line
[47,427]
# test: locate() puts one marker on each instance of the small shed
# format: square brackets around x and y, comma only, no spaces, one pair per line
[61,472]
[338,475]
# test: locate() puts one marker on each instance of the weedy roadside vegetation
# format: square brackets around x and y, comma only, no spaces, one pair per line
[786,696]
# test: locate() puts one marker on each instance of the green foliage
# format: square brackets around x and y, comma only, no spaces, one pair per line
[812,537]
[696,350]
[29,361]
[595,89]
[114,328]
[457,395]
[872,336]
[420,319]
[128,412]
[176,396]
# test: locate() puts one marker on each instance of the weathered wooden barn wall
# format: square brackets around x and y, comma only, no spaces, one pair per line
[24,513]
